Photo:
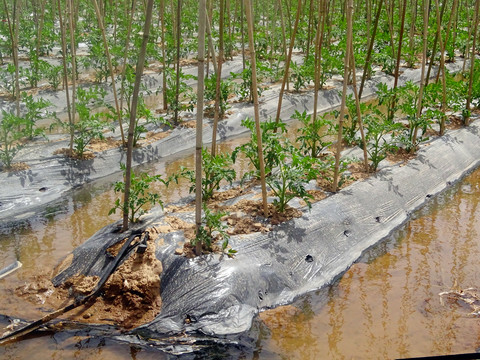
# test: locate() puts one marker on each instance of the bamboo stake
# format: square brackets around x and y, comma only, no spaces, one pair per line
[17,8]
[110,67]
[454,27]
[370,48]
[9,22]
[248,10]
[357,107]
[242,31]
[400,41]
[38,41]
[391,111]
[472,64]
[133,112]
[411,34]
[229,26]
[368,10]
[447,36]
[217,114]
[467,47]
[164,61]
[125,54]
[441,68]
[390,14]
[74,67]
[178,37]
[434,50]
[318,57]
[211,48]
[422,76]
[71,115]
[199,124]
[287,63]
[309,30]
[344,95]
[284,36]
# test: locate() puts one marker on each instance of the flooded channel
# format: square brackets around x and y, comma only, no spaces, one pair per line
[386,306]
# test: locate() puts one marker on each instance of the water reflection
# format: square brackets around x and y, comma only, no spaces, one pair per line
[387,306]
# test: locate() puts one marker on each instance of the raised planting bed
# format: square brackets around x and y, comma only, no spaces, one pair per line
[214,297]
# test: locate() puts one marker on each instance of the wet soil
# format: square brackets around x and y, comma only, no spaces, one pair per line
[129,298]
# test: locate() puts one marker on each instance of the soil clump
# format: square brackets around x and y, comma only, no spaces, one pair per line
[130,297]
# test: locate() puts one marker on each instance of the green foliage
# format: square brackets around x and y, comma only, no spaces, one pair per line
[211,90]
[144,115]
[10,136]
[377,126]
[270,140]
[35,110]
[331,64]
[139,195]
[407,100]
[350,126]
[212,230]
[476,84]
[215,169]
[388,98]
[313,133]
[97,59]
[302,75]
[53,73]
[288,179]
[457,91]
[7,79]
[386,61]
[286,167]
[186,91]
[13,129]
[90,125]
[327,169]
[32,73]
[244,89]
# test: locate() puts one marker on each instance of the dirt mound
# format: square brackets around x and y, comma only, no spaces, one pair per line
[130,297]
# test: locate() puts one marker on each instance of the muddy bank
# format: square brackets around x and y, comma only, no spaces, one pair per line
[129,298]
[219,296]
[50,175]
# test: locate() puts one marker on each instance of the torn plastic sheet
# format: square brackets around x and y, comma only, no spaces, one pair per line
[218,297]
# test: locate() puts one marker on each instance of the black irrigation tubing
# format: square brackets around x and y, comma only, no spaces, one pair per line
[109,270]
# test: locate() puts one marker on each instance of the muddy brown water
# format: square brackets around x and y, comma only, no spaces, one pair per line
[385,306]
